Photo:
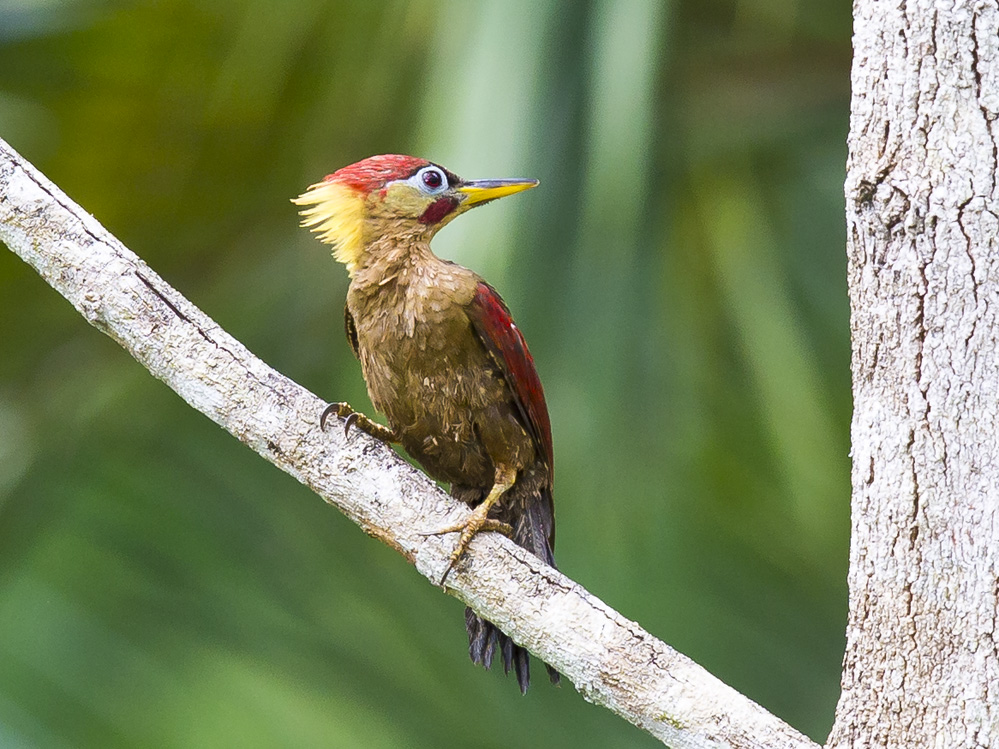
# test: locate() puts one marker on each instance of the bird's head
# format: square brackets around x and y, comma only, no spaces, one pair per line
[399,198]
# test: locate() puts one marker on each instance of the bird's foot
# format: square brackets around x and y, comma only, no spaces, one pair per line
[477,522]
[355,418]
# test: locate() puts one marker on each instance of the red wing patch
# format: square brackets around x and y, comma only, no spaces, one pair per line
[492,321]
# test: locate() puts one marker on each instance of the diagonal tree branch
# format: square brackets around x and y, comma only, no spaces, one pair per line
[611,660]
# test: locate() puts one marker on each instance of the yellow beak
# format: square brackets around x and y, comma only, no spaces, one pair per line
[481,190]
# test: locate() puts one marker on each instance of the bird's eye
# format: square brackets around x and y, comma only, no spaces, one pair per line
[432,179]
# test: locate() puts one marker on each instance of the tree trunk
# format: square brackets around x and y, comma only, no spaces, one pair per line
[921,665]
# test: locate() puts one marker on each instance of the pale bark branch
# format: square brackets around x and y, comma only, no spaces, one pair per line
[611,660]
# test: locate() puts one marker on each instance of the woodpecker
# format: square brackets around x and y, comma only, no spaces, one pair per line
[441,357]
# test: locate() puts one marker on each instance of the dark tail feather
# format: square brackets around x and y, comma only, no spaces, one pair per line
[483,639]
[533,530]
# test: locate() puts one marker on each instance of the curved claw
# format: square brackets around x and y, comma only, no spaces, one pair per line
[333,409]
[443,582]
[352,418]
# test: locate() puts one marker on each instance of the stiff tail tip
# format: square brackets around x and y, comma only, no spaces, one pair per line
[484,638]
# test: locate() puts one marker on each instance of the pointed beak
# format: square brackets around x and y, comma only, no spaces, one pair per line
[481,190]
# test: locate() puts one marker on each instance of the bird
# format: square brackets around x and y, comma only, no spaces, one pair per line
[442,358]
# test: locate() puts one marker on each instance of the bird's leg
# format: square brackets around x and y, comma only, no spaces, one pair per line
[479,520]
[354,418]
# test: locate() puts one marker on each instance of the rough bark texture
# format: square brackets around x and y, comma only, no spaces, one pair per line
[611,661]
[921,666]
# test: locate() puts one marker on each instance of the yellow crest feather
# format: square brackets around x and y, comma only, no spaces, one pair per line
[336,214]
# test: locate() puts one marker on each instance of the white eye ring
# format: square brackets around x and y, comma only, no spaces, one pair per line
[430,180]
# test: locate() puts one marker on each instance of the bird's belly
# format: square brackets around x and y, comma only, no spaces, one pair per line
[451,409]
[440,432]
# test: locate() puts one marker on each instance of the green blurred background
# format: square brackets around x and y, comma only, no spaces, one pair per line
[679,275]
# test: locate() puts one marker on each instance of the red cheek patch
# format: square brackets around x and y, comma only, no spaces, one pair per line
[437,210]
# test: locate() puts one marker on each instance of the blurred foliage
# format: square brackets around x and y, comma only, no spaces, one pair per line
[680,276]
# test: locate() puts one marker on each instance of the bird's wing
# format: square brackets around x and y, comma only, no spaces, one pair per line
[503,340]
[350,330]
